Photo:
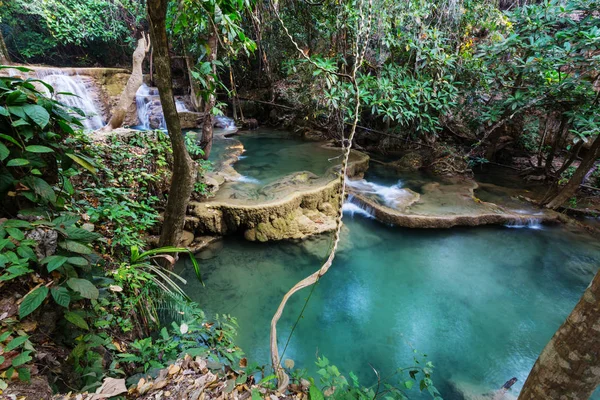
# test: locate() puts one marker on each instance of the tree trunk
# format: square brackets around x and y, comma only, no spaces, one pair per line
[557,140]
[577,179]
[4,57]
[184,169]
[574,153]
[207,125]
[569,366]
[196,103]
[133,84]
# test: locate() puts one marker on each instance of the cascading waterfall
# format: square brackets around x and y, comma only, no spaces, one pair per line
[388,194]
[149,110]
[223,122]
[352,207]
[82,99]
[530,222]
[180,105]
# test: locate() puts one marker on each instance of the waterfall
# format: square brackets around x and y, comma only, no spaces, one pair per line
[530,223]
[390,195]
[82,99]
[224,122]
[180,105]
[149,110]
[352,207]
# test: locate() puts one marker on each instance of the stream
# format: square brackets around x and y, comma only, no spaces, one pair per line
[480,302]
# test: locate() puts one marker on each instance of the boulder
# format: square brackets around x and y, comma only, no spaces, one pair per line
[190,119]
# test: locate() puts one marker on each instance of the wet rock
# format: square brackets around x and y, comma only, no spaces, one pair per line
[313,136]
[187,238]
[409,162]
[250,124]
[190,119]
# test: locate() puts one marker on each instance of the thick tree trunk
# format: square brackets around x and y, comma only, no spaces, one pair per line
[133,84]
[207,125]
[184,169]
[569,366]
[571,187]
[4,57]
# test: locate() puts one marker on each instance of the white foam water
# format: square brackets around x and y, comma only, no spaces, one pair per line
[529,223]
[73,84]
[352,208]
[143,101]
[180,105]
[389,194]
[248,179]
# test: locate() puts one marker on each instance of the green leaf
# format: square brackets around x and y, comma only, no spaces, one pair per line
[75,247]
[17,162]
[34,148]
[32,301]
[61,296]
[16,342]
[78,261]
[10,139]
[84,287]
[66,220]
[16,223]
[314,393]
[20,122]
[76,320]
[85,164]
[54,262]
[4,152]
[409,384]
[24,374]
[21,359]
[256,395]
[17,234]
[38,114]
[80,234]
[42,188]
[4,111]
[4,336]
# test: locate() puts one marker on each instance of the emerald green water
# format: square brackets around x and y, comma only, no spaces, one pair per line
[480,302]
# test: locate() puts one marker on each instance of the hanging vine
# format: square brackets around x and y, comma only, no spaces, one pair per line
[363,27]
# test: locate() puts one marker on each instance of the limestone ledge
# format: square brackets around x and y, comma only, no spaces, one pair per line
[295,216]
[487,216]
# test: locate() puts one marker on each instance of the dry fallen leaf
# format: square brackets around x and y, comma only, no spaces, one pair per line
[110,388]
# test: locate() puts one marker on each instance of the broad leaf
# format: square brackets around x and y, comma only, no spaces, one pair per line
[84,287]
[54,262]
[80,234]
[32,301]
[75,247]
[17,234]
[85,164]
[43,189]
[21,359]
[76,320]
[78,261]
[4,152]
[17,162]
[38,114]
[314,393]
[16,342]
[61,296]
[38,149]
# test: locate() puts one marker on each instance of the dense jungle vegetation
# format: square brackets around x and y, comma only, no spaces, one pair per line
[92,224]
